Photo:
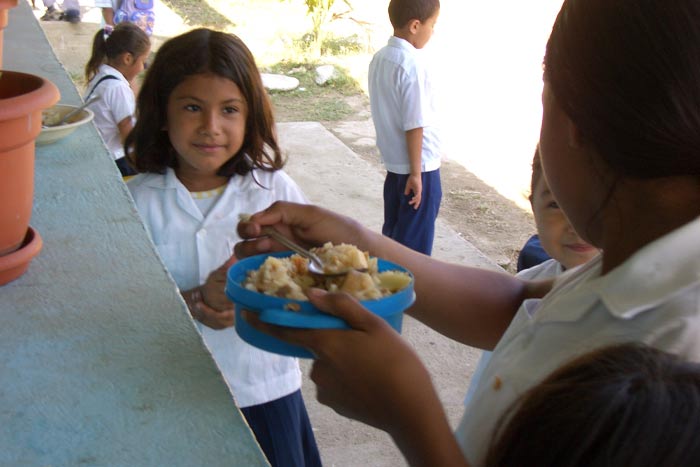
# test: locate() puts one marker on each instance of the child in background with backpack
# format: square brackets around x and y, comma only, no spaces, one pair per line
[113,65]
[139,12]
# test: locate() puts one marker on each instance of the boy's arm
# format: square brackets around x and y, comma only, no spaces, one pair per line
[414,143]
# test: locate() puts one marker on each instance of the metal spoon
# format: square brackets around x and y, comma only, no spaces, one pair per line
[316,265]
[65,118]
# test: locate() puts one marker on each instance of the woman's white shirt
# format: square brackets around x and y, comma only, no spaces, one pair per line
[116,103]
[653,297]
[546,270]
[192,245]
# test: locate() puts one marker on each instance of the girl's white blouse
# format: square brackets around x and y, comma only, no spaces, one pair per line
[192,245]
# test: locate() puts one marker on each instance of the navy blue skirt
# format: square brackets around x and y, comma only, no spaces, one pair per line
[283,430]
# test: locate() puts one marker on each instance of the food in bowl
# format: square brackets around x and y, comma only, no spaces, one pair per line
[301,313]
[289,277]
[51,117]
[51,131]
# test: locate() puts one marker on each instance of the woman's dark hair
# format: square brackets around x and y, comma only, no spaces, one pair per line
[125,38]
[202,51]
[403,11]
[626,72]
[623,405]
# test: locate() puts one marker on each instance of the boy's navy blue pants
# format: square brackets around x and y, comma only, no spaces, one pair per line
[283,430]
[414,228]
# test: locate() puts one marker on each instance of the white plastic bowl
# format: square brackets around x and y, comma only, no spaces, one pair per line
[51,134]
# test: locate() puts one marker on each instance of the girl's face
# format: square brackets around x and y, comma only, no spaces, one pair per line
[577,177]
[558,238]
[133,65]
[206,121]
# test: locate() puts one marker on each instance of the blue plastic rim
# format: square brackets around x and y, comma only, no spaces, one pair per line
[273,309]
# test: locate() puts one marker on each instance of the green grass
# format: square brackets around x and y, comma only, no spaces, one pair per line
[311,102]
[199,13]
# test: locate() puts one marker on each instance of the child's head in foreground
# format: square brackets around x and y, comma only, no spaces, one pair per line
[203,105]
[623,405]
[414,20]
[557,236]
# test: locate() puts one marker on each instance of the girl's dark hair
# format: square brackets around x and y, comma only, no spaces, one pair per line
[202,51]
[626,72]
[403,11]
[125,38]
[536,173]
[627,404]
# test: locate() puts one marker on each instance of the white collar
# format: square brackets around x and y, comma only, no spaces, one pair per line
[651,276]
[401,44]
[169,181]
[655,273]
[106,70]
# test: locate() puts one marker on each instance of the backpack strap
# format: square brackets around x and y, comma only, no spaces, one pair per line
[106,77]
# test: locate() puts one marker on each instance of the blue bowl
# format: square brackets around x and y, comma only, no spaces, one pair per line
[272,309]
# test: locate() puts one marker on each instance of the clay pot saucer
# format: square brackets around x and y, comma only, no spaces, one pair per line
[13,265]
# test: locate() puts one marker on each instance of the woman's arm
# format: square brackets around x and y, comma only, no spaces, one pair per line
[369,373]
[470,305]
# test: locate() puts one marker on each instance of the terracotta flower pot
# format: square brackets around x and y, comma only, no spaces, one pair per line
[16,263]
[22,98]
[4,6]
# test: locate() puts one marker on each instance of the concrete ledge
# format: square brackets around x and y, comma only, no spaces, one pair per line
[101,363]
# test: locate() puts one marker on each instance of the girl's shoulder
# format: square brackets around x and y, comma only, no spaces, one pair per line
[107,71]
[266,178]
[277,184]
[109,81]
[145,182]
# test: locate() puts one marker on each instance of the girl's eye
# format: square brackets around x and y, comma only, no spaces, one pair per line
[192,107]
[230,110]
[553,205]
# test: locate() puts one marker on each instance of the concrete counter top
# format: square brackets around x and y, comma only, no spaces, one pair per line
[101,363]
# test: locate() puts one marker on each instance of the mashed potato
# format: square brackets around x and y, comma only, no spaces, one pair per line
[290,278]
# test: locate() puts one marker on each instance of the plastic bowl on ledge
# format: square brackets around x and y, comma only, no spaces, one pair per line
[50,134]
[275,310]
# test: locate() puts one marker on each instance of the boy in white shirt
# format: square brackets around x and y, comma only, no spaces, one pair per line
[403,112]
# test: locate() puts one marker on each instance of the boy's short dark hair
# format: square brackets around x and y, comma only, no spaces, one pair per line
[403,11]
